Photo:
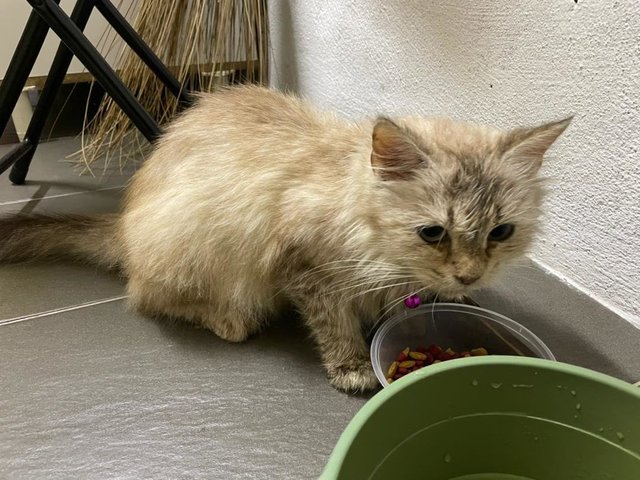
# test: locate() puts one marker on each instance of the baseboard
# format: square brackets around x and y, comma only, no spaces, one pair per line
[629,317]
[577,328]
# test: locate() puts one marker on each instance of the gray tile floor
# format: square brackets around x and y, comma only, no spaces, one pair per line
[91,390]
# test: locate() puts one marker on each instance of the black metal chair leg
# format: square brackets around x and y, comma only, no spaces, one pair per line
[75,40]
[138,45]
[17,74]
[80,17]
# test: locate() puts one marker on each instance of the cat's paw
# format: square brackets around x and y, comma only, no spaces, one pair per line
[231,327]
[353,377]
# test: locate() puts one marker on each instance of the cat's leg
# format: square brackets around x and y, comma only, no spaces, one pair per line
[337,331]
[228,321]
[152,300]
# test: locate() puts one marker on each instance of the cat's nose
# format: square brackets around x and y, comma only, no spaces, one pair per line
[467,279]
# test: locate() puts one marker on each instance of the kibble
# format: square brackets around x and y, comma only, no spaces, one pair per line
[479,352]
[403,355]
[417,355]
[392,370]
[409,360]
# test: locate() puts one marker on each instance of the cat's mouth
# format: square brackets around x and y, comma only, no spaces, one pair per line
[450,288]
[455,295]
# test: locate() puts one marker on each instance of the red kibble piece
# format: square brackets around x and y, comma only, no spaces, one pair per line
[397,376]
[403,371]
[419,363]
[403,355]
[434,350]
[444,356]
[429,359]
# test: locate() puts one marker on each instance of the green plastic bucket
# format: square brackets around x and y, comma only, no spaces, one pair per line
[495,418]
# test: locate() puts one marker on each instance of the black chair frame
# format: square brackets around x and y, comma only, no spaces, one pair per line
[47,14]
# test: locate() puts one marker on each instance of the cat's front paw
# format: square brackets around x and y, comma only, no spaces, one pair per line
[353,377]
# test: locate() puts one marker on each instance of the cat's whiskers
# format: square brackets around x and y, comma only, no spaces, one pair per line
[368,278]
[356,272]
[359,271]
[354,266]
[362,261]
[518,266]
[371,290]
[347,285]
[365,272]
[435,300]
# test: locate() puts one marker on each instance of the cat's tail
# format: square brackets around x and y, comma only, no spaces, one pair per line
[42,237]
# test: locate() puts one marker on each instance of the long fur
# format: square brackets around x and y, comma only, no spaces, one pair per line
[44,237]
[253,199]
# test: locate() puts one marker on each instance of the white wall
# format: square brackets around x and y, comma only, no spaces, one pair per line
[506,63]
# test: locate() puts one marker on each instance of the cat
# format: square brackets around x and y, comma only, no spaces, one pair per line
[253,200]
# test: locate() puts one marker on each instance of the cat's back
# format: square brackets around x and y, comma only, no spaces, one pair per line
[238,129]
[249,140]
[258,110]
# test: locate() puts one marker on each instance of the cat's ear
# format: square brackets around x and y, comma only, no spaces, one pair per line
[394,155]
[525,147]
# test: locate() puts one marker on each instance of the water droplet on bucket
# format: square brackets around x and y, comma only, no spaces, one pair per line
[535,438]
[474,382]
[447,458]
[578,406]
[573,393]
[601,429]
[522,385]
[496,385]
[536,373]
[559,387]
[576,416]
[620,436]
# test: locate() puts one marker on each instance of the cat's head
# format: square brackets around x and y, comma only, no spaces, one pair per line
[452,201]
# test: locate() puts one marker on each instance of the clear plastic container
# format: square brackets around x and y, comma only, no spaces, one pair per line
[461,327]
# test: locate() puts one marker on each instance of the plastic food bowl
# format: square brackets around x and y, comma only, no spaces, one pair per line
[461,327]
[495,418]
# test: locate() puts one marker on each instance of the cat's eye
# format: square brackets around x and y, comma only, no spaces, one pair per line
[501,232]
[433,234]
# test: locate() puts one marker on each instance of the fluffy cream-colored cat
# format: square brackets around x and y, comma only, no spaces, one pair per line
[254,200]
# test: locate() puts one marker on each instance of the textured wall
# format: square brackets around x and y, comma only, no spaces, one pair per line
[504,63]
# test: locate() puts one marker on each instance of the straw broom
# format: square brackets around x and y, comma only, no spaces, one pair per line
[205,43]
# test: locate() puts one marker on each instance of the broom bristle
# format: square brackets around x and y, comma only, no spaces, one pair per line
[205,43]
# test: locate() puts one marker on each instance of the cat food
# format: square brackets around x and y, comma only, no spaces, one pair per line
[409,360]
